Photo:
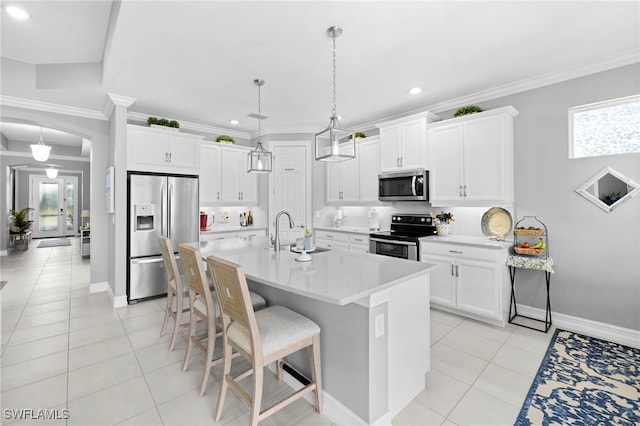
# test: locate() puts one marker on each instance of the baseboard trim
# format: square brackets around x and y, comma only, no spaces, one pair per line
[613,333]
[118,301]
[98,287]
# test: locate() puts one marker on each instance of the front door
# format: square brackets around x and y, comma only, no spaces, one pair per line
[55,206]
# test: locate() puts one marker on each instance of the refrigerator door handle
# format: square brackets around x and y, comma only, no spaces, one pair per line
[170,204]
[162,209]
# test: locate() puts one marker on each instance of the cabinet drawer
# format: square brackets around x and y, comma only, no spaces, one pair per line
[332,244]
[332,236]
[357,239]
[462,251]
[211,236]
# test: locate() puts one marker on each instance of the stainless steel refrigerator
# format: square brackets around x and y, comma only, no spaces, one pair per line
[158,205]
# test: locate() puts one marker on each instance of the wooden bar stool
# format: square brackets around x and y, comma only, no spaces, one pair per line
[202,308]
[175,291]
[260,337]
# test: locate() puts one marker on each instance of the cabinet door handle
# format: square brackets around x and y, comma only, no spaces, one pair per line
[452,270]
[242,195]
[460,190]
[329,236]
[457,274]
[401,161]
[455,251]
[465,190]
[170,157]
[357,239]
[218,195]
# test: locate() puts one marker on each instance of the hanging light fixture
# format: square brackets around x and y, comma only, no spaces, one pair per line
[334,143]
[40,151]
[52,172]
[259,160]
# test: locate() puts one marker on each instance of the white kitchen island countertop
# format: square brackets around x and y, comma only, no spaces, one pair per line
[373,311]
[336,276]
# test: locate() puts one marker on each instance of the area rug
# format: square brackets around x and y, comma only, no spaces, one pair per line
[586,381]
[55,243]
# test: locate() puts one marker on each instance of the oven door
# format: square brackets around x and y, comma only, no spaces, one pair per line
[394,248]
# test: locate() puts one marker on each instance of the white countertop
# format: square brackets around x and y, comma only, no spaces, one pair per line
[471,240]
[351,229]
[233,229]
[336,276]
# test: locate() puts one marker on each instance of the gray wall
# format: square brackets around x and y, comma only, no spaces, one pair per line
[97,131]
[596,255]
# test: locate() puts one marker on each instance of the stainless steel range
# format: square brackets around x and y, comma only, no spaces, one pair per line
[403,240]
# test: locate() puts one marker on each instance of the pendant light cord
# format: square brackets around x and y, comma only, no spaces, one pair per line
[333,111]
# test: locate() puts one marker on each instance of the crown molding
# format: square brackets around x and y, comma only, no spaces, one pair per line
[5,153]
[186,125]
[51,107]
[114,100]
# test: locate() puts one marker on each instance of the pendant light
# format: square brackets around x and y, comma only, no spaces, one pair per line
[259,160]
[52,172]
[334,143]
[40,151]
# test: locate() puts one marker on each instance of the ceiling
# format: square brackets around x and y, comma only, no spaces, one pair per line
[195,61]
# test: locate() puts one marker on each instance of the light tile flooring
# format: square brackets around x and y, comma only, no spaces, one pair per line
[64,348]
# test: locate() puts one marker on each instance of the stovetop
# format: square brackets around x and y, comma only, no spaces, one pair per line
[408,227]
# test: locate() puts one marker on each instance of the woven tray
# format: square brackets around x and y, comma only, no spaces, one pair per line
[529,231]
[530,251]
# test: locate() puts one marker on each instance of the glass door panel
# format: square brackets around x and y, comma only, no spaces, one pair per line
[55,207]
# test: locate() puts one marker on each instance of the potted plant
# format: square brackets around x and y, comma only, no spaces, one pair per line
[470,109]
[163,123]
[225,139]
[19,223]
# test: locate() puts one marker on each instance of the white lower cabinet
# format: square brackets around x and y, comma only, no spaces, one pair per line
[469,280]
[342,240]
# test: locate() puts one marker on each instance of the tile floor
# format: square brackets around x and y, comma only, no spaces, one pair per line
[64,348]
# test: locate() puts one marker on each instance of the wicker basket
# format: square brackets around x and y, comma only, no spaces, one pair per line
[535,232]
[530,251]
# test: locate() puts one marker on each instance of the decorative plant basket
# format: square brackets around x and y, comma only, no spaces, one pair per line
[535,232]
[529,251]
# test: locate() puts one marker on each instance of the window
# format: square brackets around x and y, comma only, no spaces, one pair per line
[605,128]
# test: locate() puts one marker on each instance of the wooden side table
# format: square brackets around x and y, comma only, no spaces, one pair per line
[524,262]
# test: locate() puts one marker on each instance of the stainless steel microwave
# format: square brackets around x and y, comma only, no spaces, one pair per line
[404,185]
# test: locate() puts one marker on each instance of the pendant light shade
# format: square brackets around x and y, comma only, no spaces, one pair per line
[52,172]
[259,160]
[40,151]
[334,143]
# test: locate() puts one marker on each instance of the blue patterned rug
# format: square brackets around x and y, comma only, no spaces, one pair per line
[584,381]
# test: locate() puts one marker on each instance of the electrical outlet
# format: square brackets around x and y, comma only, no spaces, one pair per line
[379,324]
[223,217]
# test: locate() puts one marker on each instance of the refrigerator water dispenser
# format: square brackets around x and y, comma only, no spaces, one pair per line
[145,217]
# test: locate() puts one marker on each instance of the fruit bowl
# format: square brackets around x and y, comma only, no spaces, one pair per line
[535,232]
[530,251]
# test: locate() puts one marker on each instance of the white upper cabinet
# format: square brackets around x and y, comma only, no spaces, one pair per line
[369,167]
[342,181]
[403,142]
[355,181]
[238,186]
[470,159]
[223,175]
[210,173]
[162,151]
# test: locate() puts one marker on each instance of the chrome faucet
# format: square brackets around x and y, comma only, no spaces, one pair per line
[276,242]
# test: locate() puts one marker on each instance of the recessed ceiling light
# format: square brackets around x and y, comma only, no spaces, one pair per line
[17,12]
[234,122]
[415,90]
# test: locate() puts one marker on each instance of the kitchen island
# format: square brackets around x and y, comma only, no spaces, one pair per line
[373,312]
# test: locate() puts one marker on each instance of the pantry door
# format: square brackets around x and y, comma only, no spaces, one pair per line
[55,206]
[290,188]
